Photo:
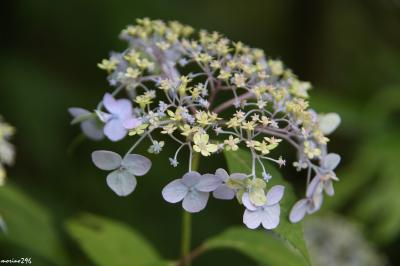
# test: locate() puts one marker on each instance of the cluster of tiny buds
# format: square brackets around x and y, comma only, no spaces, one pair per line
[7,150]
[209,95]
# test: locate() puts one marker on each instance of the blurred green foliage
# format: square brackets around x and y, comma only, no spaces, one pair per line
[349,50]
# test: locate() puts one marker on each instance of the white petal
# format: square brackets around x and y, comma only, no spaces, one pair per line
[331,161]
[121,182]
[106,160]
[136,164]
[298,211]
[252,219]
[195,201]
[190,179]
[114,130]
[174,191]
[247,203]
[328,122]
[208,183]
[275,194]
[221,173]
[224,192]
[271,215]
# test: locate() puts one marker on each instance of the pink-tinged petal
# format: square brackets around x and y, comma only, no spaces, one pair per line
[195,201]
[175,191]
[331,161]
[275,194]
[252,219]
[106,160]
[247,203]
[110,103]
[136,164]
[92,129]
[224,192]
[328,187]
[124,108]
[114,130]
[190,179]
[208,183]
[271,215]
[222,174]
[298,211]
[121,182]
[312,187]
[131,123]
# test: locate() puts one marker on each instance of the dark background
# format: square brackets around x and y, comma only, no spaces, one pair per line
[349,50]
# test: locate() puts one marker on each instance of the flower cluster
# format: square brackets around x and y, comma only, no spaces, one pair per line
[7,150]
[209,94]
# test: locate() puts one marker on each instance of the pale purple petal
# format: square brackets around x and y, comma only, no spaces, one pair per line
[131,123]
[76,111]
[195,201]
[298,211]
[136,164]
[114,130]
[174,191]
[92,129]
[331,161]
[208,183]
[223,192]
[312,187]
[124,109]
[190,179]
[315,203]
[252,219]
[247,203]
[121,182]
[328,187]
[238,176]
[270,219]
[110,103]
[106,160]
[275,194]
[222,174]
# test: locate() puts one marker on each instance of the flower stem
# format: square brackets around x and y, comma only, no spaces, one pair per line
[187,221]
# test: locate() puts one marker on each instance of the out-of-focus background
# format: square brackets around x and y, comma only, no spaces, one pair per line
[349,50]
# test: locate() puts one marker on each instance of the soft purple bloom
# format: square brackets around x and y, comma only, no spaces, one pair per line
[305,206]
[223,191]
[193,188]
[123,179]
[120,119]
[266,215]
[90,126]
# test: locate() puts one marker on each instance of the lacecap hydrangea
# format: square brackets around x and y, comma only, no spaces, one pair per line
[207,94]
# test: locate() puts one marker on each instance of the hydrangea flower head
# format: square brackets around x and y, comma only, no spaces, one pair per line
[206,94]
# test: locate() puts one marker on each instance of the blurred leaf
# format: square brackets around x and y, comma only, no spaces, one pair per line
[240,161]
[108,242]
[29,226]
[261,246]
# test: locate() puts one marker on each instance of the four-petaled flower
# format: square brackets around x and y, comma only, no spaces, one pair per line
[193,188]
[90,125]
[201,144]
[224,191]
[268,214]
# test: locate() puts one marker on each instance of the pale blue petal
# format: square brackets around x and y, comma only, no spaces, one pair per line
[92,129]
[136,164]
[121,182]
[329,122]
[174,191]
[247,202]
[190,179]
[270,219]
[331,161]
[106,160]
[131,123]
[208,183]
[124,109]
[110,103]
[223,192]
[312,187]
[195,201]
[114,130]
[252,219]
[76,111]
[222,174]
[275,194]
[315,203]
[298,211]
[328,187]
[238,176]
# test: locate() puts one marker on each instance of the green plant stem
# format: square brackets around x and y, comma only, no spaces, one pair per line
[187,221]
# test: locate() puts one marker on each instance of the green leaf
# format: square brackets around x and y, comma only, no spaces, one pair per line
[108,242]
[240,161]
[263,247]
[29,227]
